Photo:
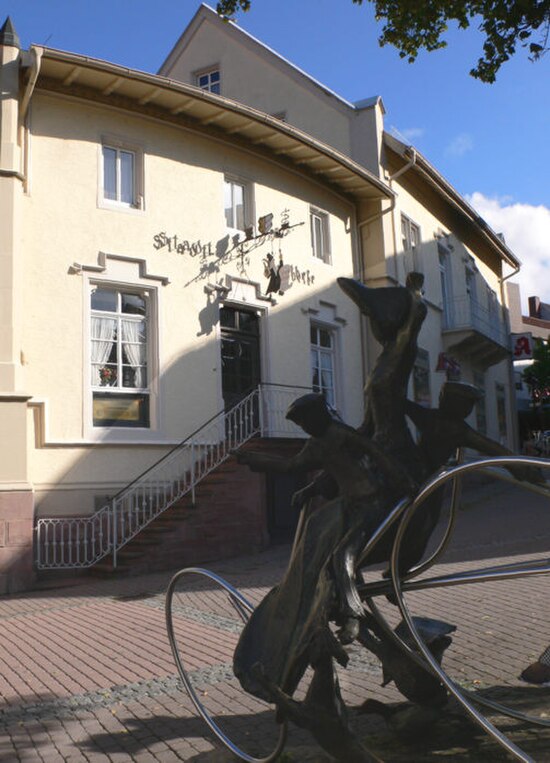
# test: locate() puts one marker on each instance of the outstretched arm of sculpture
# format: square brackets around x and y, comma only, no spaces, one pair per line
[418,414]
[490,447]
[304,461]
[324,484]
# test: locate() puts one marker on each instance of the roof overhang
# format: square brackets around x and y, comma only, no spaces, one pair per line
[189,107]
[428,174]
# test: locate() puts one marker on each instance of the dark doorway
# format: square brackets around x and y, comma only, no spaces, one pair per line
[282,518]
[240,335]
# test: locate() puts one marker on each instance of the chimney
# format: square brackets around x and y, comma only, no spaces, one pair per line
[534,307]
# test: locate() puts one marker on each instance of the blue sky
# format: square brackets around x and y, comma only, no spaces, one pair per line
[491,141]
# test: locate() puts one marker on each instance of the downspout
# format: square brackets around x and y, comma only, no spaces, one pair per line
[362,224]
[391,208]
[405,167]
[516,445]
[36,53]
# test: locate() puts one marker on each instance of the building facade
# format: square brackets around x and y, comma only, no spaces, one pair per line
[427,225]
[170,249]
[527,331]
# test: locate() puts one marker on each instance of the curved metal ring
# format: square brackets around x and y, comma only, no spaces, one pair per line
[465,701]
[244,609]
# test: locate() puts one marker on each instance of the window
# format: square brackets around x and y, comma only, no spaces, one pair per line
[421,378]
[209,80]
[118,357]
[446,288]
[320,239]
[322,363]
[471,286]
[410,239]
[119,175]
[493,315]
[501,412]
[481,409]
[236,204]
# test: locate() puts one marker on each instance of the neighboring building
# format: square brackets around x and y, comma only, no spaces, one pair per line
[167,247]
[526,331]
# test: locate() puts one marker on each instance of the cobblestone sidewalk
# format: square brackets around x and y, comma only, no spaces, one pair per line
[87,673]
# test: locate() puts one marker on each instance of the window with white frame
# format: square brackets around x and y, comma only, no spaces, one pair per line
[236,202]
[493,310]
[500,397]
[209,80]
[480,407]
[323,365]
[121,175]
[471,284]
[446,284]
[421,378]
[410,240]
[119,354]
[320,234]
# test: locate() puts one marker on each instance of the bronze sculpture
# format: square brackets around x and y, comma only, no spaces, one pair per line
[365,473]
[370,477]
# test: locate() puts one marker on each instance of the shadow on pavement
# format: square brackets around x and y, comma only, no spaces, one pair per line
[450,737]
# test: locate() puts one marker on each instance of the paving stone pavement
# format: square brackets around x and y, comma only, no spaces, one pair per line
[87,673]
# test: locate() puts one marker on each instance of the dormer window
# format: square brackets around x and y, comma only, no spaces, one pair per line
[209,80]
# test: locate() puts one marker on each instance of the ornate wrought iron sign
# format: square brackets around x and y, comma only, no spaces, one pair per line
[182,246]
[239,247]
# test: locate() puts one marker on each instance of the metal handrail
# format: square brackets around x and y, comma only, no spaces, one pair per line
[183,442]
[82,541]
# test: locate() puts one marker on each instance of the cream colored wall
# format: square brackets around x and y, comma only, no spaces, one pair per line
[251,76]
[430,337]
[183,195]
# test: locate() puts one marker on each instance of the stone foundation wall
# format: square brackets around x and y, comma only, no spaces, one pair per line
[16,541]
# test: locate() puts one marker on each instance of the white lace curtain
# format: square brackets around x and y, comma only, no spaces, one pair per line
[135,350]
[103,336]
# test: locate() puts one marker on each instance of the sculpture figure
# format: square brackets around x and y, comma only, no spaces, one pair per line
[290,628]
[365,473]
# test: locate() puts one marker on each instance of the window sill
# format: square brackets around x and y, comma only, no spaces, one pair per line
[119,206]
[138,441]
[322,260]
[123,436]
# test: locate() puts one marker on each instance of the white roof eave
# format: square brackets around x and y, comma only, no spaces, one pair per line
[69,71]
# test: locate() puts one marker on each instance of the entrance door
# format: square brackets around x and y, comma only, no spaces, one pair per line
[240,335]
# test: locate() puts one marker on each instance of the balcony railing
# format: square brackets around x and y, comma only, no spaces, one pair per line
[464,313]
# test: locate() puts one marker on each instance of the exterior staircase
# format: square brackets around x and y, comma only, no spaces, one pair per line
[227,518]
[195,504]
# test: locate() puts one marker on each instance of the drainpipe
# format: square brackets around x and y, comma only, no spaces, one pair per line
[36,53]
[405,167]
[368,221]
[516,445]
[391,208]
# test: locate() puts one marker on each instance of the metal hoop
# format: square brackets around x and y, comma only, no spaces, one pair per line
[243,608]
[498,573]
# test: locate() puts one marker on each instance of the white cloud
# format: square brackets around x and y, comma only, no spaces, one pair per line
[526,229]
[408,134]
[460,145]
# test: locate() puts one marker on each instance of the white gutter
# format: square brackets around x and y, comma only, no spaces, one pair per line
[36,59]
